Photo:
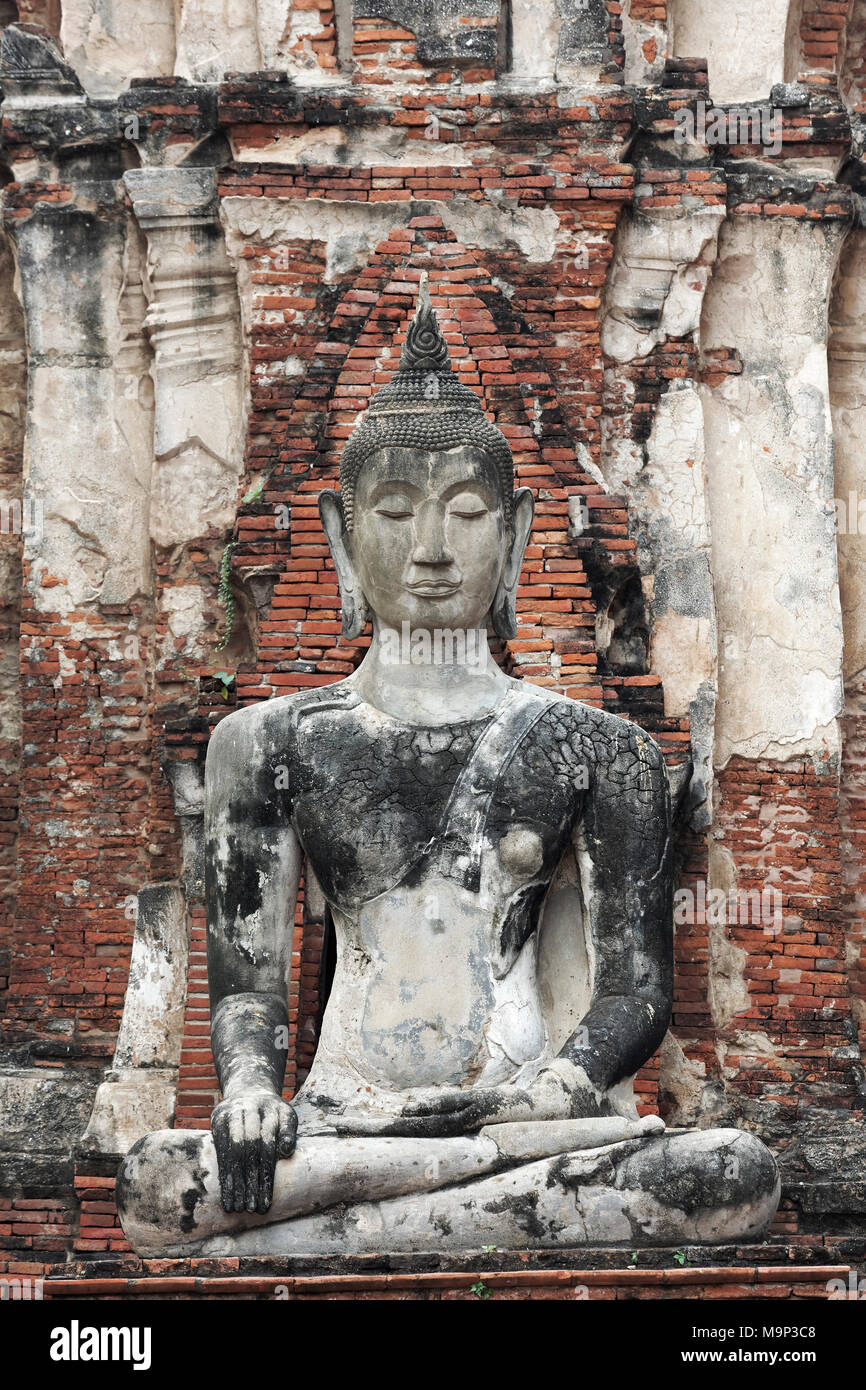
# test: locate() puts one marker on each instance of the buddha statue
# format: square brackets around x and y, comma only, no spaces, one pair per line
[496,861]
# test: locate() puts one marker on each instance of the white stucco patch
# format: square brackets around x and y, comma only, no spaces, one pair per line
[769,452]
[745,48]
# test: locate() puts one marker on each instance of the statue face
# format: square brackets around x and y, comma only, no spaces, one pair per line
[429,540]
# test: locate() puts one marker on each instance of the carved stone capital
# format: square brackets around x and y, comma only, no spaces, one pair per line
[193,321]
[193,315]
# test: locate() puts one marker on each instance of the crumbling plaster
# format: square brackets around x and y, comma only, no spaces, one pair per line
[745,49]
[108,42]
[731,496]
[770,469]
[88,446]
[350,231]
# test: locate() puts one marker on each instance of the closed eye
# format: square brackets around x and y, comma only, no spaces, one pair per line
[466,504]
[395,505]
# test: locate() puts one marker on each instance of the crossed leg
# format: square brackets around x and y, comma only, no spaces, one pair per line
[360,1195]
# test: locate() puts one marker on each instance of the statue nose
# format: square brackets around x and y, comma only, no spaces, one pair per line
[431,547]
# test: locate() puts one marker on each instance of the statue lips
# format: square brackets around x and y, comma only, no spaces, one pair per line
[434,588]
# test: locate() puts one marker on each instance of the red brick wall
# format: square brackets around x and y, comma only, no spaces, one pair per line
[648,11]
[11,450]
[822,26]
[382,51]
[83,843]
[852,68]
[788,1044]
[321,42]
[852,818]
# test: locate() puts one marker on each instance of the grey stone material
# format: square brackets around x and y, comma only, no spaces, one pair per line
[44,104]
[463,1092]
[753,181]
[141,112]
[584,34]
[43,1111]
[28,1096]
[193,322]
[455,1194]
[85,347]
[186,779]
[31,63]
[440,33]
[172,193]
[789,94]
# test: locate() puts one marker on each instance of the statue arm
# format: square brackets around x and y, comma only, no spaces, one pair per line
[623,850]
[252,870]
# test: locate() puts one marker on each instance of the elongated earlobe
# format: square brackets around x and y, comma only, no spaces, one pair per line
[503,611]
[352,601]
[353,614]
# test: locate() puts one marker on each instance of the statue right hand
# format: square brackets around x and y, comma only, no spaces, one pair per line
[251,1130]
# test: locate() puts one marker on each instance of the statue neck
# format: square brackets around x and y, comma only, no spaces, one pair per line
[429,678]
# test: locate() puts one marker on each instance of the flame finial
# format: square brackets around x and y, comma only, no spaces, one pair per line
[425,349]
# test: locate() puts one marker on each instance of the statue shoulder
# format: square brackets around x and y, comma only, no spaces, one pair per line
[618,755]
[269,729]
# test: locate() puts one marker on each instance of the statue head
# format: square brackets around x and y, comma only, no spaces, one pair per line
[427,527]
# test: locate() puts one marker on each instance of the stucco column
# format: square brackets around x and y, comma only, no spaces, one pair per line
[86,587]
[779,998]
[88,446]
[193,321]
[770,457]
[847,352]
[139,1091]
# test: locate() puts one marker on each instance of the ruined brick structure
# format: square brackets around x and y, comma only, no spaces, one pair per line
[644,229]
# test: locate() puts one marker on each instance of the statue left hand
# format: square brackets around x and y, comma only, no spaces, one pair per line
[558,1093]
[251,1128]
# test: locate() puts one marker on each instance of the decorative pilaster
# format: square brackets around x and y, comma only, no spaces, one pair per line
[193,321]
[770,456]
